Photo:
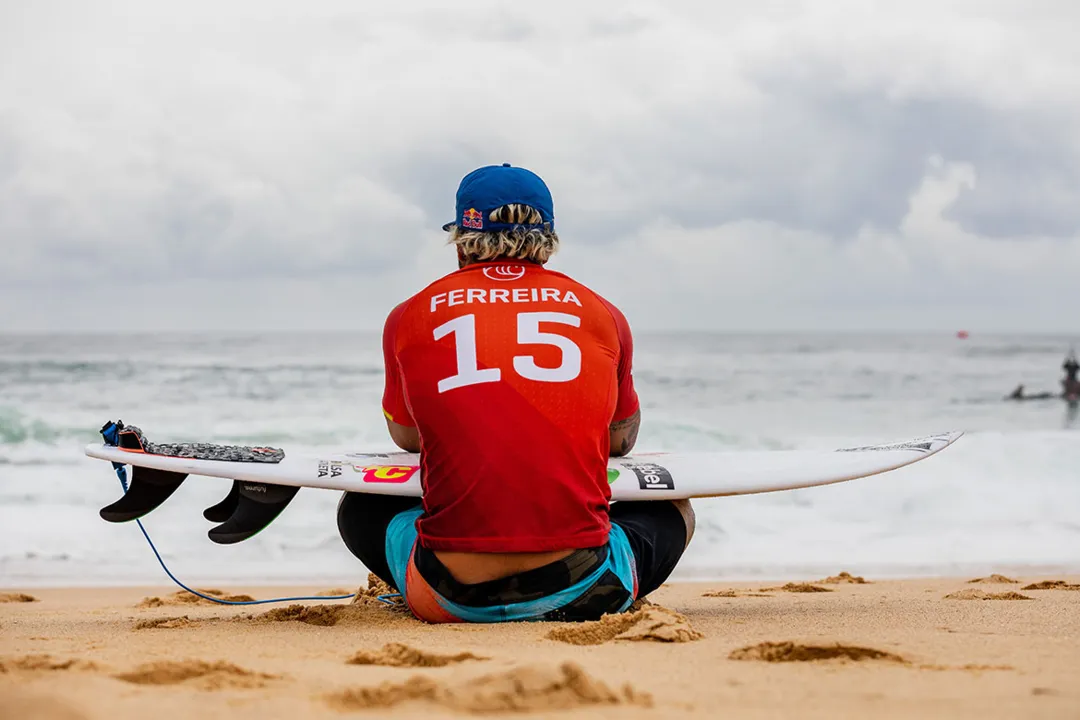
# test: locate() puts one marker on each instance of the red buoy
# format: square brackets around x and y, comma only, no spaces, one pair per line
[962,334]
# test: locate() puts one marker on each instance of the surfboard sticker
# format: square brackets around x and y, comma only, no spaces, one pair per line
[923,444]
[651,476]
[393,474]
[330,468]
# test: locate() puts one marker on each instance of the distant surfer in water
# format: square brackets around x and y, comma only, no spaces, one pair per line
[514,384]
[1070,384]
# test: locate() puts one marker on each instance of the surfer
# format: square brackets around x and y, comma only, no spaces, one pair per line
[1070,384]
[514,384]
[1019,394]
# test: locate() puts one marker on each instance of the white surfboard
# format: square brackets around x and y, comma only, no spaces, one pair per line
[646,476]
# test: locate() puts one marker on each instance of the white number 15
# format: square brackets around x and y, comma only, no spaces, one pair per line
[528,333]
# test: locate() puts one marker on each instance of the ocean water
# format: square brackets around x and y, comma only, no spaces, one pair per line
[1006,497]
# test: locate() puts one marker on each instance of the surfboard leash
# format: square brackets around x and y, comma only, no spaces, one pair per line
[111,432]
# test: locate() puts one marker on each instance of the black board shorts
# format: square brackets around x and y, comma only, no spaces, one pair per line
[655,531]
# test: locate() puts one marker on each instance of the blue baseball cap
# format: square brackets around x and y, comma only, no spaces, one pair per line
[493,186]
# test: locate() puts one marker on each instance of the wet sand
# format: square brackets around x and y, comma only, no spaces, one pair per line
[833,648]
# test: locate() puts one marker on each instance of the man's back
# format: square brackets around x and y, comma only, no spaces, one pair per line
[511,374]
[514,384]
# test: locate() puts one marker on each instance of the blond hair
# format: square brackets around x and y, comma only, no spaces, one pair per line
[519,243]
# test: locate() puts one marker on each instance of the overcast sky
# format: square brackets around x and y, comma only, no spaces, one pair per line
[720,165]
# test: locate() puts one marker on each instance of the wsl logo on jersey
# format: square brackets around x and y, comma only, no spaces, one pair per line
[505,273]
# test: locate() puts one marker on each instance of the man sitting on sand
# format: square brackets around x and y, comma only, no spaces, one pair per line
[514,384]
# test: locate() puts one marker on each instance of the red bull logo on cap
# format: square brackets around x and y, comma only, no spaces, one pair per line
[472,218]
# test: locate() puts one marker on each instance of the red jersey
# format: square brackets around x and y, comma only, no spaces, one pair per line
[512,375]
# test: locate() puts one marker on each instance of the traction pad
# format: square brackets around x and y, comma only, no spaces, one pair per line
[132,438]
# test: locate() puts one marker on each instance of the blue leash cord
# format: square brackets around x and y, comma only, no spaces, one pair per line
[110,433]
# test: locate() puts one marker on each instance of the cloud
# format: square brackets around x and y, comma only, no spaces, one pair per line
[284,164]
[927,273]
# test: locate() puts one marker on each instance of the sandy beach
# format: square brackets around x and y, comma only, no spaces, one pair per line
[928,648]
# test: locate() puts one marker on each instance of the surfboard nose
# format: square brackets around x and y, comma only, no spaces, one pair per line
[257,504]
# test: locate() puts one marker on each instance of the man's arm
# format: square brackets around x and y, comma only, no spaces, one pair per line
[624,434]
[405,437]
[404,433]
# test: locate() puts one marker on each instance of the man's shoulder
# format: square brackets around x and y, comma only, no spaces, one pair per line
[433,286]
[578,285]
[616,314]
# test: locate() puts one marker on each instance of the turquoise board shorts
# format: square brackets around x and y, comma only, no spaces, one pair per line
[585,585]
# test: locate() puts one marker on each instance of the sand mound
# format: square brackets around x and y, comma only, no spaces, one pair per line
[183,597]
[652,622]
[369,596]
[165,623]
[995,578]
[204,675]
[324,615]
[792,652]
[364,609]
[797,588]
[45,663]
[844,577]
[1051,585]
[980,595]
[733,594]
[375,589]
[17,598]
[398,655]
[376,613]
[523,689]
[334,591]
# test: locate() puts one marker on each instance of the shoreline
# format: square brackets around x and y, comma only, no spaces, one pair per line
[942,647]
[801,574]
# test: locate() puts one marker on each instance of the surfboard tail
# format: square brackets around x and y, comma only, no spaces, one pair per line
[257,505]
[246,510]
[149,489]
[224,510]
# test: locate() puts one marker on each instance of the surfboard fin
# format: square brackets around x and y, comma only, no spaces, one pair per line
[149,489]
[257,504]
[224,510]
